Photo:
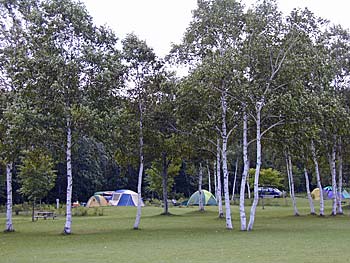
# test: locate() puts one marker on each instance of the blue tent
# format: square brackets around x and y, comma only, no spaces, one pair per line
[329,193]
[124,198]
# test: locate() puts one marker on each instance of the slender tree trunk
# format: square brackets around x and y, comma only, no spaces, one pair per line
[248,186]
[209,180]
[200,192]
[244,174]
[9,225]
[215,182]
[224,163]
[139,183]
[165,183]
[318,177]
[258,167]
[307,184]
[332,166]
[68,225]
[234,181]
[340,177]
[218,175]
[291,182]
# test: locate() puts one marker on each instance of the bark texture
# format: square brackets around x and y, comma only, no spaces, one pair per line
[68,225]
[244,174]
[332,166]
[139,182]
[318,177]
[218,180]
[291,182]
[307,184]
[340,177]
[258,166]
[9,225]
[224,163]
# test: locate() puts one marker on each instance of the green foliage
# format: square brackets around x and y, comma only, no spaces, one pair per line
[268,177]
[36,174]
[154,177]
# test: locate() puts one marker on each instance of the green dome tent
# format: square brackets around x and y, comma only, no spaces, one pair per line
[207,197]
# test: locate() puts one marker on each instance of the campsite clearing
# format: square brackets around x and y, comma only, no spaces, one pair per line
[186,236]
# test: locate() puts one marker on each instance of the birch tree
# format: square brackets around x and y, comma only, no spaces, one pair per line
[268,45]
[308,192]
[200,193]
[11,35]
[141,63]
[289,167]
[245,172]
[81,63]
[318,176]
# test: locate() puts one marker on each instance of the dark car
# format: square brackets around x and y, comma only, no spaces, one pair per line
[269,192]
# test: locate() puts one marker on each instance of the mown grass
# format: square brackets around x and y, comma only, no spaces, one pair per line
[186,236]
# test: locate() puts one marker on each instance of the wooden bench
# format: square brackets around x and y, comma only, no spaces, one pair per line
[44,214]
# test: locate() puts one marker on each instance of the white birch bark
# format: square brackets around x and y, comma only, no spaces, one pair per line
[209,180]
[291,180]
[68,225]
[218,178]
[258,166]
[215,182]
[340,177]
[248,186]
[9,225]
[234,180]
[332,166]
[224,162]
[307,184]
[139,183]
[318,177]
[244,174]
[200,193]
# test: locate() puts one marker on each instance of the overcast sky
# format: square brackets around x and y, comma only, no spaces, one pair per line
[162,22]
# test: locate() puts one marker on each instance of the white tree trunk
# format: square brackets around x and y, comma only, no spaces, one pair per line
[139,183]
[9,225]
[234,181]
[215,182]
[218,178]
[248,186]
[209,180]
[307,184]
[332,166]
[291,181]
[318,177]
[244,174]
[200,193]
[340,177]
[258,166]
[224,162]
[68,225]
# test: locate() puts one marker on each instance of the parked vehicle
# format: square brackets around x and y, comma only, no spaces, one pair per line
[269,192]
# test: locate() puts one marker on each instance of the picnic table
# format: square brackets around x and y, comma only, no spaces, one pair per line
[44,214]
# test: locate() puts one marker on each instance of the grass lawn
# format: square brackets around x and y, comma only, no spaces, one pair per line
[186,236]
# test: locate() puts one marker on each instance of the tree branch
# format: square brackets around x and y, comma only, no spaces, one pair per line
[272,126]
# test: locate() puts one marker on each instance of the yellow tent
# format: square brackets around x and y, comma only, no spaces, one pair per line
[315,194]
[97,200]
